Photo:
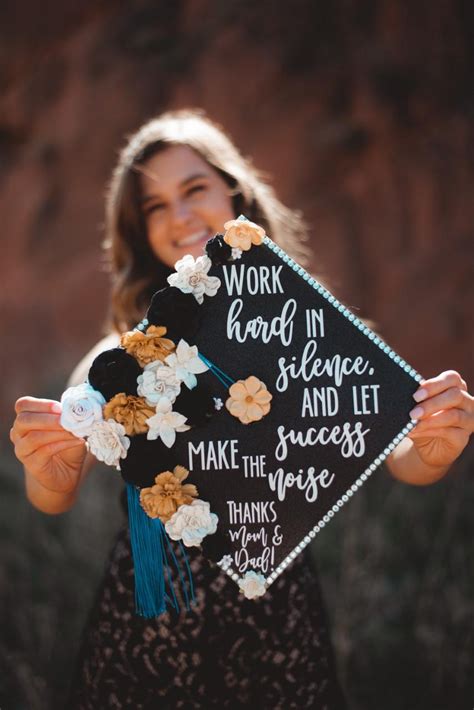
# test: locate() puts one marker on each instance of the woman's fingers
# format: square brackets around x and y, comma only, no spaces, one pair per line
[34,440]
[42,456]
[453,417]
[35,404]
[449,398]
[37,421]
[436,385]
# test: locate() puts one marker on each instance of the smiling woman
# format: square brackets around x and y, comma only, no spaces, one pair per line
[185,202]
[178,180]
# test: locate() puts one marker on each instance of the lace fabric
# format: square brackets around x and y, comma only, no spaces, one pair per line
[227,651]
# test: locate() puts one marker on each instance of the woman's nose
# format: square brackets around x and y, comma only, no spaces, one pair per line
[181,212]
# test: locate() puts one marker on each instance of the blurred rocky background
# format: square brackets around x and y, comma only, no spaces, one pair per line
[362,113]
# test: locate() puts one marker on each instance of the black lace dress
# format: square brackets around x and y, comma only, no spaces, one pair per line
[271,652]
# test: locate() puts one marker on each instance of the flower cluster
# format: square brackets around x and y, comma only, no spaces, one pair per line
[175,503]
[140,395]
[144,387]
[107,417]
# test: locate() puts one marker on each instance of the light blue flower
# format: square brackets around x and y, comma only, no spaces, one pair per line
[191,523]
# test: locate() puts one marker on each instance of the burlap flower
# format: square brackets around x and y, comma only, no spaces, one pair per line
[149,346]
[249,400]
[163,499]
[241,233]
[132,412]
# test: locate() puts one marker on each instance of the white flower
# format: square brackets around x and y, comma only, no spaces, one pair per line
[252,584]
[236,253]
[108,442]
[191,277]
[158,380]
[225,561]
[191,523]
[81,409]
[165,423]
[218,403]
[186,363]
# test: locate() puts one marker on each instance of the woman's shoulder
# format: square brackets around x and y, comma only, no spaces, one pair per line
[80,372]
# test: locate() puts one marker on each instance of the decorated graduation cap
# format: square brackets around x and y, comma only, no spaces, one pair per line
[243,413]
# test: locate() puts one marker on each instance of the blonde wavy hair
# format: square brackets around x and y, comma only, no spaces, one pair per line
[136,271]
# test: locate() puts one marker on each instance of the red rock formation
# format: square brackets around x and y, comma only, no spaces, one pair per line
[361,112]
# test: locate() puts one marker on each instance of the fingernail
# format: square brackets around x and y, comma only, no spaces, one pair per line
[56,408]
[420,395]
[416,413]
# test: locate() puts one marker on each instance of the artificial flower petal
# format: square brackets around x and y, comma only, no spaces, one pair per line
[132,412]
[81,409]
[241,233]
[167,494]
[252,584]
[165,423]
[191,523]
[238,390]
[249,400]
[149,346]
[191,277]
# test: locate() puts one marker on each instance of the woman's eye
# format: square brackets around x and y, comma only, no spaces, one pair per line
[153,208]
[196,188]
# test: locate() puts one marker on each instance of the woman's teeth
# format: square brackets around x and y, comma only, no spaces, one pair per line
[193,238]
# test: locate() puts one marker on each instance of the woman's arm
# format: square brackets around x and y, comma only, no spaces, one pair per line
[445,415]
[56,463]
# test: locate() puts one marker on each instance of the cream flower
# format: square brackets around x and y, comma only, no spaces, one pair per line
[108,442]
[158,380]
[167,494]
[241,233]
[252,584]
[191,523]
[165,423]
[249,400]
[191,277]
[81,409]
[186,364]
[236,253]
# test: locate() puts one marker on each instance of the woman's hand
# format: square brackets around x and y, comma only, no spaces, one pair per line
[52,456]
[445,414]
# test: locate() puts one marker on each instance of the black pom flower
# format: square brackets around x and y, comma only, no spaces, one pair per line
[197,405]
[114,371]
[145,460]
[177,311]
[218,251]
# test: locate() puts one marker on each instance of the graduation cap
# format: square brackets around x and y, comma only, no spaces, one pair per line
[243,412]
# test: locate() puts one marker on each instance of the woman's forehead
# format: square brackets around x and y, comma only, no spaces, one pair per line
[172,167]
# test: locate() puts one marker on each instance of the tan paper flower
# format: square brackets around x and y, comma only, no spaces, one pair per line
[241,234]
[149,346]
[164,498]
[130,411]
[249,400]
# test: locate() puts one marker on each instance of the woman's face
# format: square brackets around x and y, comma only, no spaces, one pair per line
[185,202]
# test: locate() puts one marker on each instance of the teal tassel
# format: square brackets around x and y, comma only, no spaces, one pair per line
[151,550]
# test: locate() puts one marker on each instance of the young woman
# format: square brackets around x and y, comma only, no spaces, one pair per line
[177,181]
